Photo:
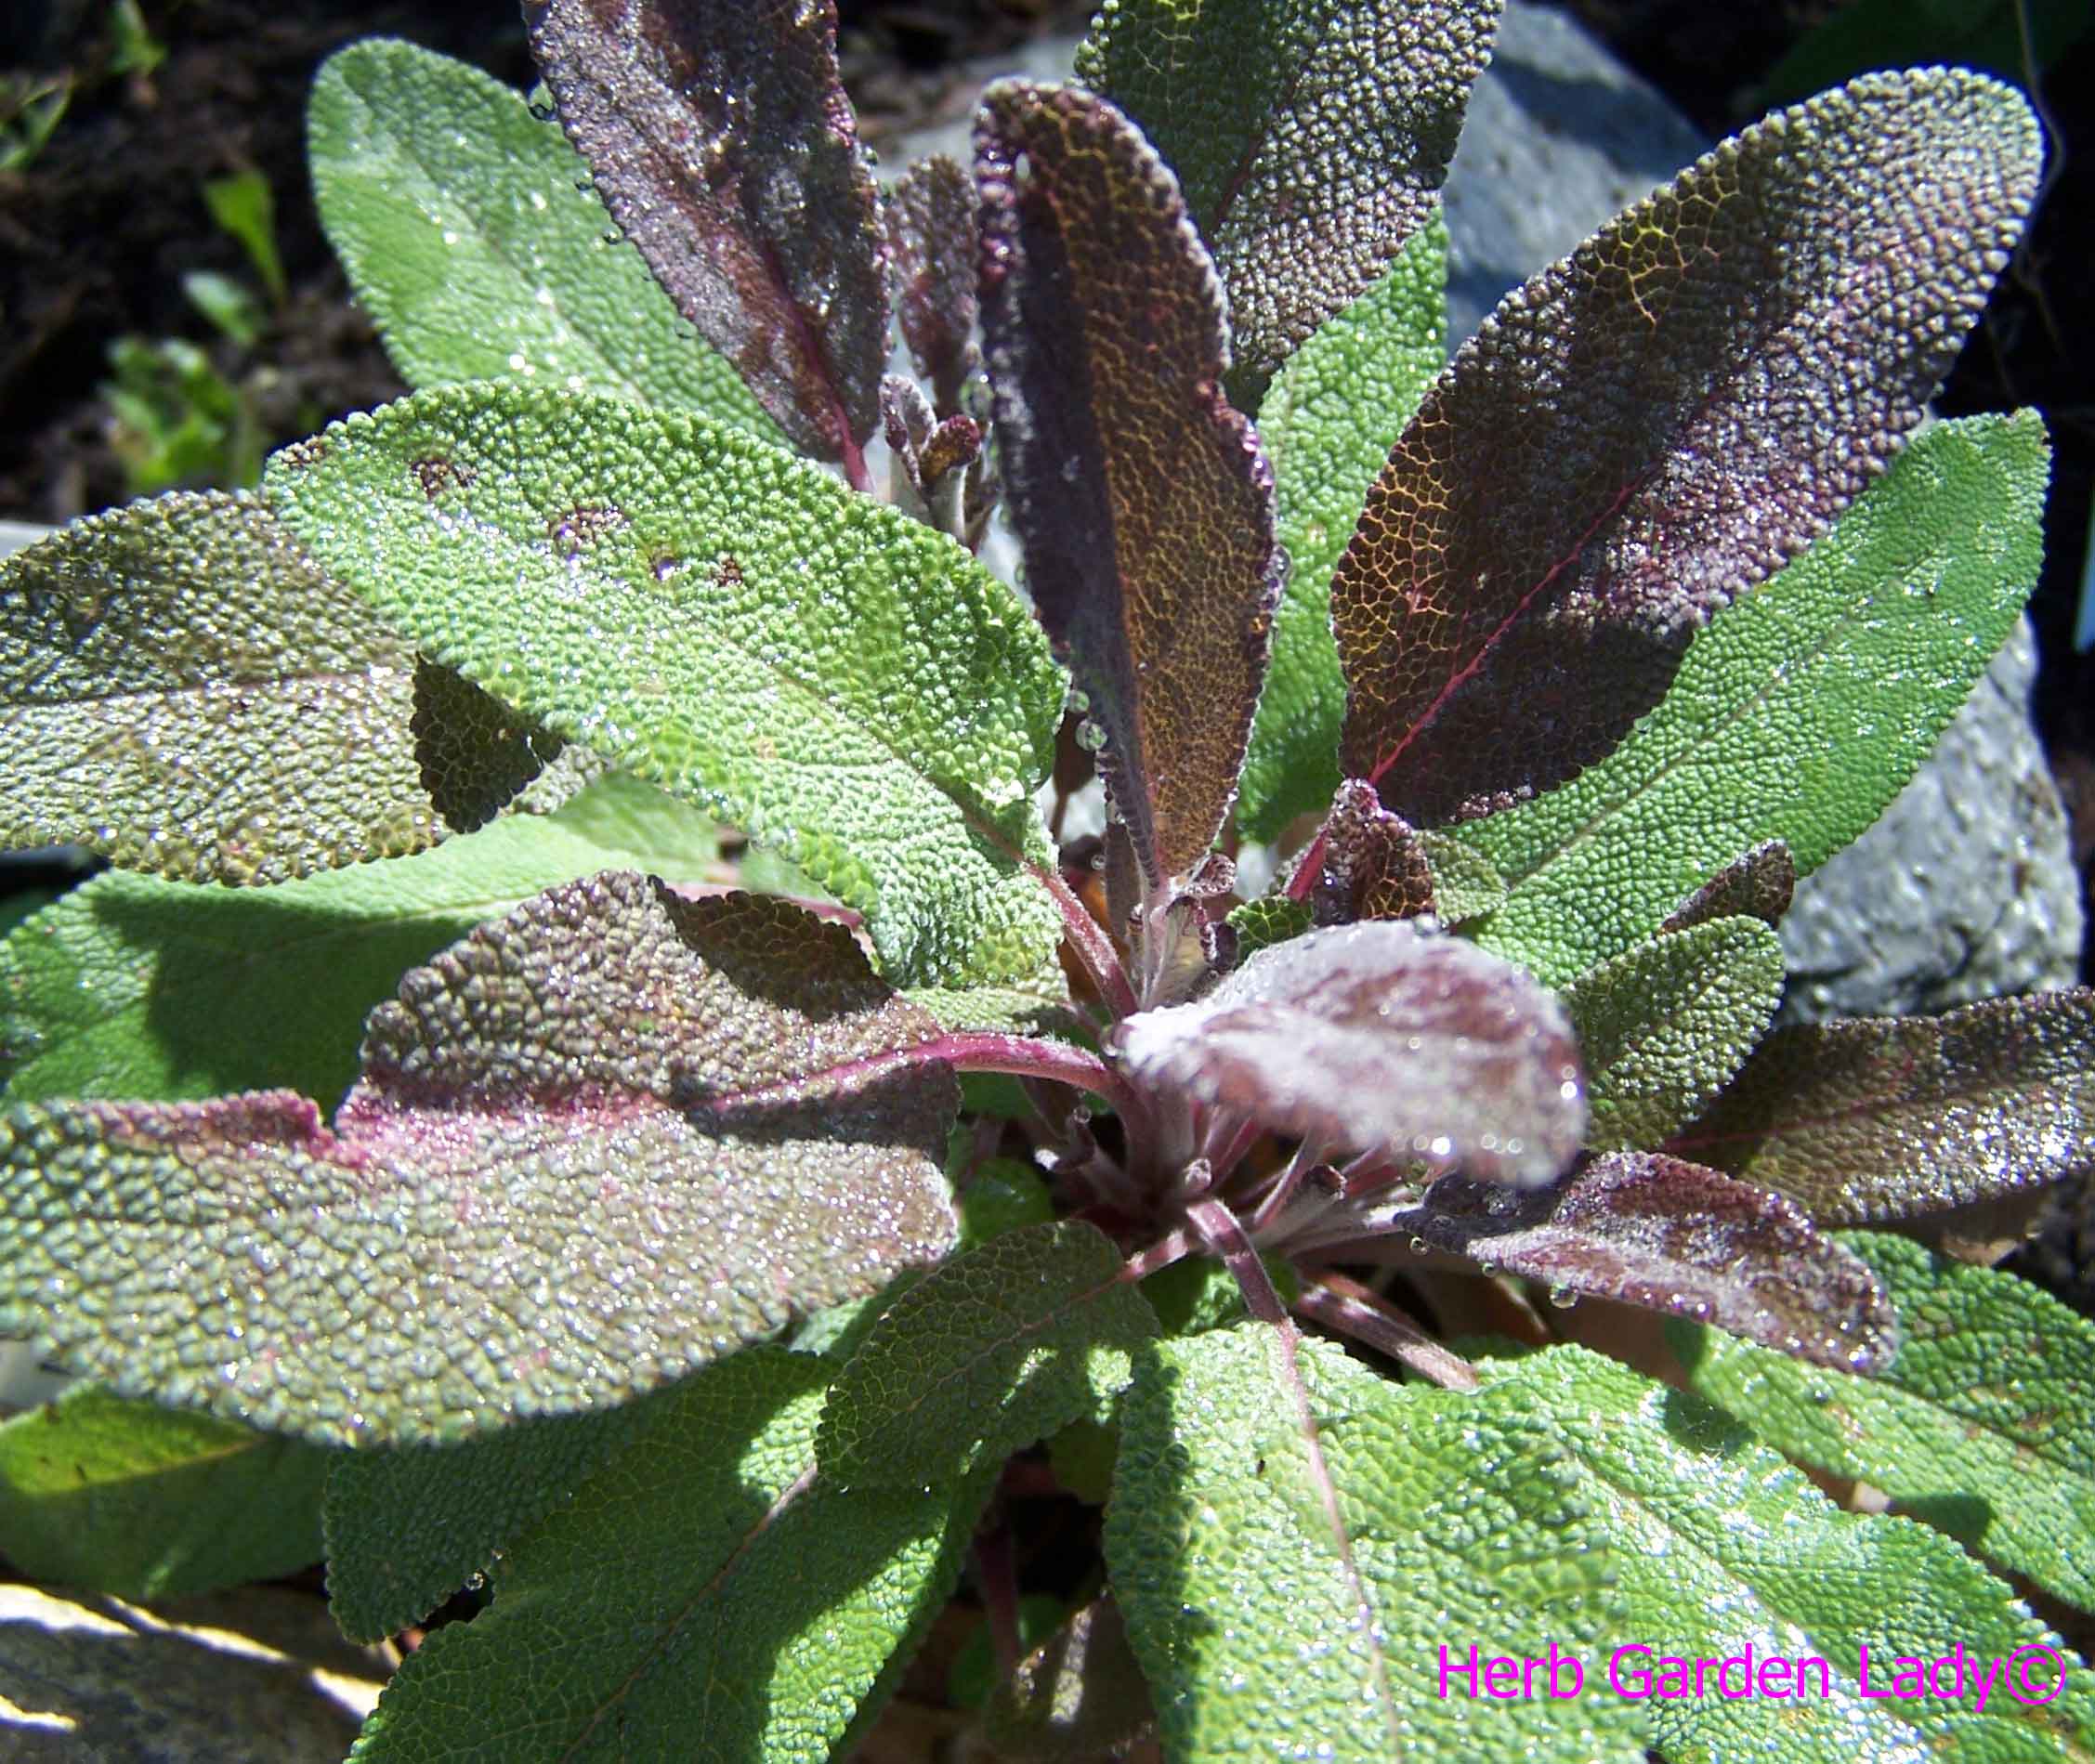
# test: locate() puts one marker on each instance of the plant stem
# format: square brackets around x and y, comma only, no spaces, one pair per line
[1352,1309]
[1093,948]
[1221,1231]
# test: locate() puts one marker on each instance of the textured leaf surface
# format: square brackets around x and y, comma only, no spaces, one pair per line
[1371,863]
[1797,715]
[1657,423]
[1464,885]
[1721,1547]
[130,987]
[1327,423]
[1281,1579]
[1310,137]
[1984,1425]
[835,678]
[721,139]
[1760,884]
[407,1526]
[1878,1118]
[147,1503]
[185,692]
[931,250]
[1379,1037]
[994,1349]
[703,1595]
[1673,1237]
[1144,511]
[471,238]
[1664,1027]
[596,1145]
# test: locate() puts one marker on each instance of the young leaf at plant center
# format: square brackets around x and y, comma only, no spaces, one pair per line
[1379,1037]
[1370,863]
[721,139]
[1797,714]
[147,1503]
[1327,423]
[468,237]
[929,218]
[1878,1118]
[133,987]
[832,677]
[1674,1237]
[1144,510]
[186,691]
[1984,1425]
[1311,137]
[1270,919]
[1664,1027]
[705,1590]
[596,1145]
[1760,884]
[1720,1547]
[1658,422]
[989,1353]
[408,1527]
[1264,1497]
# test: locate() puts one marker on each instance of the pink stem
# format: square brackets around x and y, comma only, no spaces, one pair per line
[1093,948]
[1221,1233]
[1352,1309]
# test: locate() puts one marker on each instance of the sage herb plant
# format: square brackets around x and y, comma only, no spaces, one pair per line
[773,1157]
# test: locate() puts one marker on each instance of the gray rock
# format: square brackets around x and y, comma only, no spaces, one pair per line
[259,1674]
[1560,137]
[1966,888]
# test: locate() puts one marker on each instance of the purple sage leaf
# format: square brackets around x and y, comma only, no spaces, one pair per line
[721,140]
[1757,885]
[1140,497]
[1668,1236]
[597,1144]
[1373,866]
[931,250]
[1876,1119]
[1312,137]
[1379,1037]
[1657,423]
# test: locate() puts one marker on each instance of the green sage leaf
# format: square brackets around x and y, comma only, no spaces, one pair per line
[183,689]
[1796,715]
[1293,1538]
[1725,1552]
[704,1588]
[148,1503]
[1327,423]
[1984,1425]
[996,1349]
[407,1526]
[835,678]
[469,235]
[1664,1027]
[130,987]
[597,1145]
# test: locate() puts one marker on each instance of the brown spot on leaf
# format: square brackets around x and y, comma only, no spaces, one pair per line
[436,474]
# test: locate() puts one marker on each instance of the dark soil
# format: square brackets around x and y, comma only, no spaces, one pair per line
[97,233]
